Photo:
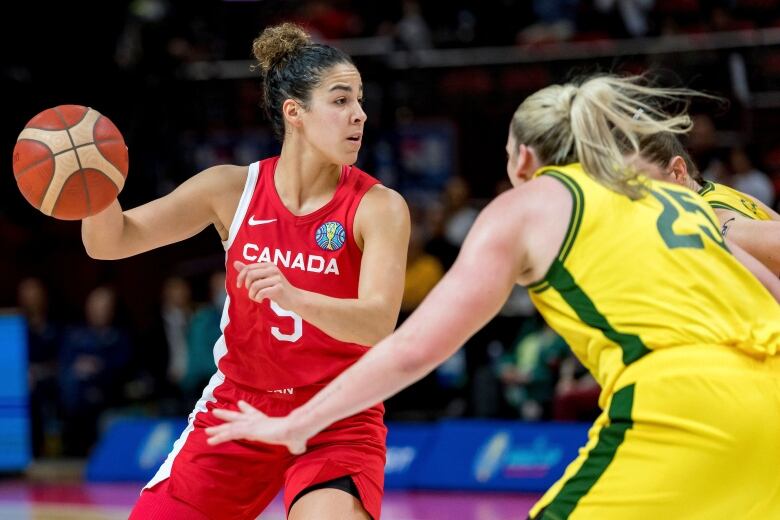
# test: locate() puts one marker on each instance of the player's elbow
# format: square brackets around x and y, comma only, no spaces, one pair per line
[97,252]
[381,328]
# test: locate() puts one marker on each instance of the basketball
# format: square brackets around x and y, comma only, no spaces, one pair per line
[70,162]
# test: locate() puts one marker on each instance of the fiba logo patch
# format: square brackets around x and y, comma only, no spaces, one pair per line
[330,236]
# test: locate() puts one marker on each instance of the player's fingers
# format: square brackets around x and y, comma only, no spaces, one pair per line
[257,285]
[248,408]
[219,438]
[255,272]
[241,268]
[296,448]
[241,276]
[266,292]
[227,415]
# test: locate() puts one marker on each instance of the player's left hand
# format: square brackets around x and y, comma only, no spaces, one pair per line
[265,280]
[251,424]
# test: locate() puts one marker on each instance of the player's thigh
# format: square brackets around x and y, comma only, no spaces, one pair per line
[674,447]
[328,504]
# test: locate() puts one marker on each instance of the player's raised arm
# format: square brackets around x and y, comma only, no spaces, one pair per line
[760,238]
[382,225]
[767,278]
[510,242]
[187,210]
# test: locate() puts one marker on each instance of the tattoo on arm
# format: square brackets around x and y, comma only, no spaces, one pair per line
[725,228]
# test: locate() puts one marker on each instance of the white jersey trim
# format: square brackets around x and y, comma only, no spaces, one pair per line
[208,395]
[243,203]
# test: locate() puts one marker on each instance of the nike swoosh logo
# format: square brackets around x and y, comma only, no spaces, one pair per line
[253,222]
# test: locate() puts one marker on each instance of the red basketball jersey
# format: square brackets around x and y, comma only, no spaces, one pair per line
[263,345]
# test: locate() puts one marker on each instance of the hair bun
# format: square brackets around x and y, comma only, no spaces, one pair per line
[277,43]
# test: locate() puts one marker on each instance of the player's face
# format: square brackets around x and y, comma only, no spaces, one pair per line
[334,122]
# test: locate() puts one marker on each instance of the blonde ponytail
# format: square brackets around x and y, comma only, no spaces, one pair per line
[599,122]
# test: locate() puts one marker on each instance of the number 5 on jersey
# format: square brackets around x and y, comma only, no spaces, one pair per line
[297,331]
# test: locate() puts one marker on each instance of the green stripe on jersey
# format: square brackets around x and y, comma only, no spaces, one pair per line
[577,210]
[708,187]
[722,205]
[598,459]
[561,280]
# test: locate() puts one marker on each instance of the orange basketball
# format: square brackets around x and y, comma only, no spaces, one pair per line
[70,162]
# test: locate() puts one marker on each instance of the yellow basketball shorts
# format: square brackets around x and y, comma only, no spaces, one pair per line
[690,433]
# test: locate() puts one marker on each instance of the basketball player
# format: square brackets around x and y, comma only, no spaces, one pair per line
[315,258]
[620,266]
[746,221]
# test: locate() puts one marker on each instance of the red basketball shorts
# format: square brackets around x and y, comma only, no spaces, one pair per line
[237,480]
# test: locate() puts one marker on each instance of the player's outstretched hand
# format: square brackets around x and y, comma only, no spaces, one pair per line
[249,423]
[265,280]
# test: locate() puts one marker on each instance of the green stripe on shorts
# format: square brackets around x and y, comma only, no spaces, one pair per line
[599,458]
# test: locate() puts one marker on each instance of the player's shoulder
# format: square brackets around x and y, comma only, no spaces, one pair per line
[382,201]
[545,193]
[384,212]
[223,176]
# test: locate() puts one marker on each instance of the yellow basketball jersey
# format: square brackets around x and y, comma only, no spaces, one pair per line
[720,196]
[636,276]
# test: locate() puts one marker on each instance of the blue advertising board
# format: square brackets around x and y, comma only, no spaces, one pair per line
[454,454]
[408,447]
[500,455]
[132,449]
[15,447]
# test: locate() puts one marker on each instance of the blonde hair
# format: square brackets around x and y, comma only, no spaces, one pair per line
[597,122]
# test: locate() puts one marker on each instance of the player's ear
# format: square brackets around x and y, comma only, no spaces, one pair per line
[292,111]
[678,169]
[527,163]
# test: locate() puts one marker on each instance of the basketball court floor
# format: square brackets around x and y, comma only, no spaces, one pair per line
[20,500]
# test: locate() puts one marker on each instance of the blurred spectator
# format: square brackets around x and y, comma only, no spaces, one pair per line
[43,346]
[437,245]
[633,14]
[203,333]
[576,394]
[555,21]
[327,21]
[176,312]
[530,371]
[749,179]
[412,30]
[92,364]
[423,271]
[163,350]
[460,213]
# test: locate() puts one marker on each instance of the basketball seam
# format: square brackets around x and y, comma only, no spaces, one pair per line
[45,191]
[95,141]
[78,160]
[36,163]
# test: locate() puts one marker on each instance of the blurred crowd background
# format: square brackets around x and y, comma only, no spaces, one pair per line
[442,79]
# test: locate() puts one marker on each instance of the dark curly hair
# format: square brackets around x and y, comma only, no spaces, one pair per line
[292,65]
